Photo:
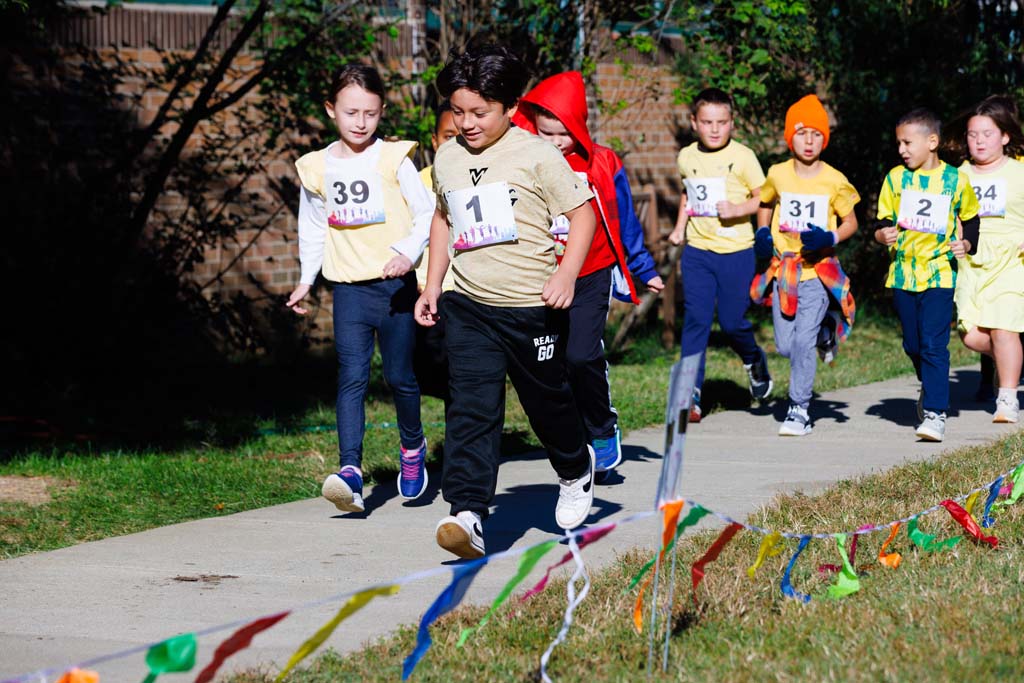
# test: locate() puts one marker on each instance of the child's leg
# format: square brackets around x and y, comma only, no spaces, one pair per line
[936,312]
[733,273]
[584,354]
[698,303]
[397,336]
[472,440]
[783,328]
[353,342]
[803,361]
[907,306]
[1008,357]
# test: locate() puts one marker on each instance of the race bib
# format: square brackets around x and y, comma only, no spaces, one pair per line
[482,216]
[560,224]
[924,212]
[992,197]
[798,212]
[703,195]
[354,198]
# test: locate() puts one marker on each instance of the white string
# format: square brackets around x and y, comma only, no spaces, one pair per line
[671,605]
[574,601]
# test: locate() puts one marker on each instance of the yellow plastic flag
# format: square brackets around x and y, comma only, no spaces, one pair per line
[971,500]
[769,548]
[354,604]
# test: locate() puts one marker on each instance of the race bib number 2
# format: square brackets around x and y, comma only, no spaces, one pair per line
[482,216]
[991,197]
[353,200]
[798,212]
[703,195]
[924,212]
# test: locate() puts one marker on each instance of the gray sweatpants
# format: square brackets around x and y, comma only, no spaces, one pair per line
[796,338]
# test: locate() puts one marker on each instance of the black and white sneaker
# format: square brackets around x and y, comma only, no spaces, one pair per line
[797,423]
[461,535]
[575,498]
[760,380]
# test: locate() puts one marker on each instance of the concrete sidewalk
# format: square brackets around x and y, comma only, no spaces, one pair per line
[70,605]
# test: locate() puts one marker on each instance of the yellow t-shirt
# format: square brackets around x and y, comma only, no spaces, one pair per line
[1000,192]
[427,176]
[518,169]
[736,167]
[821,201]
[923,260]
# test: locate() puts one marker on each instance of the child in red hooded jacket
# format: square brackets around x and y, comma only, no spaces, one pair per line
[556,110]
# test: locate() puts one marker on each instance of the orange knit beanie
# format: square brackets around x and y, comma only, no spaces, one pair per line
[806,113]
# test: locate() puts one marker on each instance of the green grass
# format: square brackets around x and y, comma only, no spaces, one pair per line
[952,615]
[226,466]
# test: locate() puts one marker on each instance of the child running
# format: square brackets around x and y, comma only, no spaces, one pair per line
[919,207]
[990,285]
[800,202]
[556,110]
[722,187]
[364,218]
[499,188]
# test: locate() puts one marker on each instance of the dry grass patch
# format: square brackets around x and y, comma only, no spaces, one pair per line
[31,491]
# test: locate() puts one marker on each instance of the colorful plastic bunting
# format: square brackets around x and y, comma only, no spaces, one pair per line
[574,602]
[351,606]
[970,502]
[669,532]
[967,522]
[79,676]
[586,538]
[890,560]
[847,581]
[173,655]
[927,541]
[993,493]
[697,570]
[696,513]
[787,585]
[1016,487]
[239,640]
[769,548]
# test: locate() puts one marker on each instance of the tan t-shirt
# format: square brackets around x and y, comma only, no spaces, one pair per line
[514,261]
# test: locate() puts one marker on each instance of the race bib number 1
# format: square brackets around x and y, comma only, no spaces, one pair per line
[798,212]
[924,212]
[482,216]
[992,197]
[703,195]
[353,199]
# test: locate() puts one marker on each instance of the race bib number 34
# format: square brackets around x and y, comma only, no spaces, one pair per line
[703,195]
[924,212]
[991,196]
[798,212]
[482,216]
[353,199]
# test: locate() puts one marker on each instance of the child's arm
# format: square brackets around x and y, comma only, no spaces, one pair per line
[886,230]
[764,245]
[727,209]
[678,235]
[421,206]
[561,287]
[847,226]
[425,310]
[312,236]
[638,259]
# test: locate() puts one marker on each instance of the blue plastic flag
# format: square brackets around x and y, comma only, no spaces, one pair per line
[993,493]
[787,586]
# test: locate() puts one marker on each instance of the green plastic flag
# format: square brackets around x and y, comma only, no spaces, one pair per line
[847,581]
[1018,487]
[927,541]
[696,513]
[173,655]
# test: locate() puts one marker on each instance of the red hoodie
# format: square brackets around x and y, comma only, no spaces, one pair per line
[565,96]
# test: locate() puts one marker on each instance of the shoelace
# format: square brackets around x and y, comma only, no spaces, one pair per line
[411,465]
[572,488]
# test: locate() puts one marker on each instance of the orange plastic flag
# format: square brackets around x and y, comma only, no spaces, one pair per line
[79,676]
[891,560]
[670,517]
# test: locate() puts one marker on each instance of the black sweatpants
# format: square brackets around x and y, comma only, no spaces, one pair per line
[584,354]
[484,343]
[430,359]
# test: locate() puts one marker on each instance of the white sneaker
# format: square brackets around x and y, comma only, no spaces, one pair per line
[797,423]
[461,535]
[933,427]
[1007,410]
[575,498]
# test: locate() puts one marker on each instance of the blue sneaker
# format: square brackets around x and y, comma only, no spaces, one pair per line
[345,489]
[607,452]
[412,478]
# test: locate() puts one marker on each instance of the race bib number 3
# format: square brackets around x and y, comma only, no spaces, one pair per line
[353,199]
[924,212]
[703,195]
[482,216]
[798,212]
[992,197]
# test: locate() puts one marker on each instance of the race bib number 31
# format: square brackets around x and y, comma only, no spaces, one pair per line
[482,216]
[703,195]
[924,212]
[353,199]
[992,197]
[798,212]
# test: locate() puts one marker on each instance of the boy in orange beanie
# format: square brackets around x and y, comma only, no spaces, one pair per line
[806,209]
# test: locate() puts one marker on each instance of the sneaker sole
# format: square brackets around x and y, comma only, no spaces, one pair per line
[928,435]
[783,431]
[343,497]
[453,538]
[1003,419]
[419,493]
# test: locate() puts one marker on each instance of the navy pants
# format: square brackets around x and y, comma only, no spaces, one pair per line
[926,318]
[362,311]
[719,281]
[584,354]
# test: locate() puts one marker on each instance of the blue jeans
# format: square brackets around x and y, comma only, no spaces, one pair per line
[926,318]
[721,281]
[361,310]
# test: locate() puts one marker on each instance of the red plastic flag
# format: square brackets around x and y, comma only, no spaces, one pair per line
[239,640]
[965,520]
[697,571]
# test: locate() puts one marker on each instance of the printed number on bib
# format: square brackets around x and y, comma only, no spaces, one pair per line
[924,212]
[703,195]
[353,199]
[482,216]
[991,197]
[798,212]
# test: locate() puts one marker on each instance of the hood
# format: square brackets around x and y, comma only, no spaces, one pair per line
[565,96]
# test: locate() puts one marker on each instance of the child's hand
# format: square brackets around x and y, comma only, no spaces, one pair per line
[397,267]
[728,210]
[425,310]
[678,235]
[655,284]
[763,244]
[817,238]
[960,247]
[887,236]
[558,290]
[298,295]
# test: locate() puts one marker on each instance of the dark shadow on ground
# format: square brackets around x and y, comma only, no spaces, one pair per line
[634,453]
[963,384]
[819,409]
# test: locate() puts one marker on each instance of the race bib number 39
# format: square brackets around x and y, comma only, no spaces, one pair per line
[353,199]
[482,216]
[924,212]
[798,212]
[703,195]
[992,197]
